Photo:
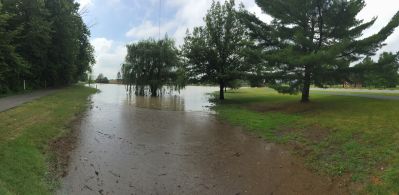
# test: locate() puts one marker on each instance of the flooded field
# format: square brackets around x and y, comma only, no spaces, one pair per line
[175,145]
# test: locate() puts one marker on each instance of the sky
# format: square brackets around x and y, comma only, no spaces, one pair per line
[115,23]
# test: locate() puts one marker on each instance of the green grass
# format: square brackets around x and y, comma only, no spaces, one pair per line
[338,136]
[26,133]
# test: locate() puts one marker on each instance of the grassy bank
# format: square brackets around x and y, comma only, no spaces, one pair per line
[26,132]
[344,137]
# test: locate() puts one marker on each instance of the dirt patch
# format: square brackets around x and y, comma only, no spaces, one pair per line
[316,133]
[60,149]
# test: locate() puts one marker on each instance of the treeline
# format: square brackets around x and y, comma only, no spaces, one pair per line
[308,42]
[376,74]
[42,42]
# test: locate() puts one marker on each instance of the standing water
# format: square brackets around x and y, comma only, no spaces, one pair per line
[175,145]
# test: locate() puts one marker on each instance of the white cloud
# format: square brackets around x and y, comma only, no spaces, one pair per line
[190,13]
[109,56]
[149,30]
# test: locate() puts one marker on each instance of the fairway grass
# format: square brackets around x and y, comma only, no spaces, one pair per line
[339,136]
[26,131]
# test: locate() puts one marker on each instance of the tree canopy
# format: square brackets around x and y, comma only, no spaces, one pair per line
[44,42]
[150,65]
[312,41]
[213,52]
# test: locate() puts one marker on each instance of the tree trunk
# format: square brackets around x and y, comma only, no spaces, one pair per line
[306,86]
[221,95]
[154,91]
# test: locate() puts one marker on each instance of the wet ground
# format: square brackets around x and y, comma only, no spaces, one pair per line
[174,145]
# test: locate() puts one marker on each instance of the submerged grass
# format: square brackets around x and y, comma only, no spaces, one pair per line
[342,136]
[26,133]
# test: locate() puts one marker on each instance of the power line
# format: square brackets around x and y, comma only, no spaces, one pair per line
[159,19]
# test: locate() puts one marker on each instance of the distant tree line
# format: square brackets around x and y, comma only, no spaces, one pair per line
[308,42]
[44,42]
[380,74]
[102,79]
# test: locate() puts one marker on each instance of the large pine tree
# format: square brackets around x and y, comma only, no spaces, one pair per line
[313,41]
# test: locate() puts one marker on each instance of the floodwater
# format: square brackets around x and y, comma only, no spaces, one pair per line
[175,145]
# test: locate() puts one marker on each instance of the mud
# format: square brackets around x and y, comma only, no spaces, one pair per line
[175,145]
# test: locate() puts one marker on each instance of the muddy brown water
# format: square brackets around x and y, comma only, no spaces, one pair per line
[175,145]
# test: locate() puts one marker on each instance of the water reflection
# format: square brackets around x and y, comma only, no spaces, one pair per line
[169,102]
[192,98]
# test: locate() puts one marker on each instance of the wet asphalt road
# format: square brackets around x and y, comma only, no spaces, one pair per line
[16,100]
[175,145]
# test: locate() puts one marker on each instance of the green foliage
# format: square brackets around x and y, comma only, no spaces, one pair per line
[381,74]
[312,41]
[150,65]
[24,151]
[43,42]
[12,65]
[213,51]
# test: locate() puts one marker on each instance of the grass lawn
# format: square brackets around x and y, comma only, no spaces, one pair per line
[26,132]
[337,135]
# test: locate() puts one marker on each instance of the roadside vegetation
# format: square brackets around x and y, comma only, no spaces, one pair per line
[43,43]
[28,164]
[342,137]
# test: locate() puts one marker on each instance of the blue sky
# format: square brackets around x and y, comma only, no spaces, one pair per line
[115,23]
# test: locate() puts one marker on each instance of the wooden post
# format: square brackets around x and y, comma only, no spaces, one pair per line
[24,85]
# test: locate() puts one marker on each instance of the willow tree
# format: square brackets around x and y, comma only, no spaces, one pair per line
[213,51]
[150,65]
[313,41]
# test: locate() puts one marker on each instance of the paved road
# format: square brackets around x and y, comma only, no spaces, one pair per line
[349,93]
[16,100]
[387,91]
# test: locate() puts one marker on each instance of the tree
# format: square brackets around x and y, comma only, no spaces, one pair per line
[381,74]
[102,79]
[119,77]
[70,53]
[312,41]
[44,42]
[12,66]
[33,38]
[213,51]
[150,65]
